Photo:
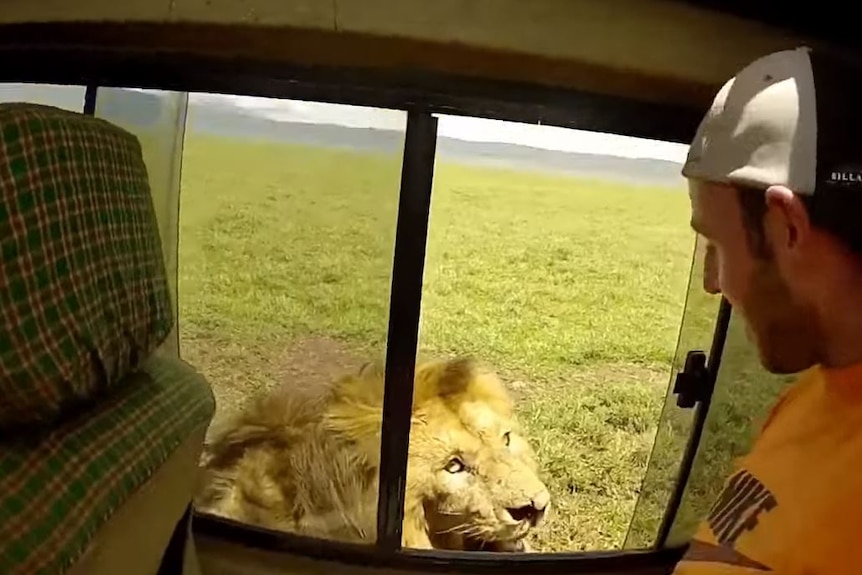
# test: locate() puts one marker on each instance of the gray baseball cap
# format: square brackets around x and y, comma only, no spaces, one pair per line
[791,118]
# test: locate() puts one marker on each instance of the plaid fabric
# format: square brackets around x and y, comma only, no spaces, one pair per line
[57,489]
[83,288]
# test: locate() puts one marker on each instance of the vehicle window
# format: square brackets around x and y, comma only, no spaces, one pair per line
[157,118]
[676,423]
[287,223]
[559,260]
[744,393]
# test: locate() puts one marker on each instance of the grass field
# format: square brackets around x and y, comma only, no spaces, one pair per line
[572,290]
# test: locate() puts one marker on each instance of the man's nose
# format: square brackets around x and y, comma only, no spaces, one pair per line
[710,284]
[710,273]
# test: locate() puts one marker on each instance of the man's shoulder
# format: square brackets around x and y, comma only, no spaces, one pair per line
[804,383]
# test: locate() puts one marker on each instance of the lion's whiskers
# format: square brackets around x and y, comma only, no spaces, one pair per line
[458,528]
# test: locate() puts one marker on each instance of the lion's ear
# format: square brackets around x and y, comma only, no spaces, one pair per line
[372,370]
[443,379]
[456,376]
[364,389]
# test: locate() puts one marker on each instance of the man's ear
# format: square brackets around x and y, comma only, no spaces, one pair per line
[787,221]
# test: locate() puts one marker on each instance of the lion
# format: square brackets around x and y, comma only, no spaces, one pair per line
[307,461]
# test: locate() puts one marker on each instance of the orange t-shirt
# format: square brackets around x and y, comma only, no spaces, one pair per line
[794,504]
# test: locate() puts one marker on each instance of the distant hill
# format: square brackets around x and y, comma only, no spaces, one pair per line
[226,120]
[233,122]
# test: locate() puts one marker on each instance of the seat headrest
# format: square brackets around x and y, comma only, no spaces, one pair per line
[83,287]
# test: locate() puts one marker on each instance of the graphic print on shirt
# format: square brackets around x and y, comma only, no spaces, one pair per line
[738,510]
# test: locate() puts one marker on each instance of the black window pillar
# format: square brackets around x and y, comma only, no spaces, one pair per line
[414,205]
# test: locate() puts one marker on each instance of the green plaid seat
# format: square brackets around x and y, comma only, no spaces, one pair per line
[89,410]
[58,489]
[83,287]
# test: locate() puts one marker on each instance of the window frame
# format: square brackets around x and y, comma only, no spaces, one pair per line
[701,407]
[691,388]
[421,96]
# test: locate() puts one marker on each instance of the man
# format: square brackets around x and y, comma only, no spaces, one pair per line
[775,177]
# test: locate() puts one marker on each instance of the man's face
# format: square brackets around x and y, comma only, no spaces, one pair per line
[784,330]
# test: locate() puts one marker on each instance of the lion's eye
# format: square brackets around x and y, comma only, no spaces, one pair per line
[507,438]
[455,465]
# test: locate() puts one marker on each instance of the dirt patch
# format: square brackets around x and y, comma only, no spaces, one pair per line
[237,372]
[317,361]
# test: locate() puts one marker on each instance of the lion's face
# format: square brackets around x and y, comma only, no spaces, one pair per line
[471,472]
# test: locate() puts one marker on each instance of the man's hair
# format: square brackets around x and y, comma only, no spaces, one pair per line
[835,212]
[752,204]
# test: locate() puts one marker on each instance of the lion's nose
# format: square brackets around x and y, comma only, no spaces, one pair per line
[541,500]
[532,512]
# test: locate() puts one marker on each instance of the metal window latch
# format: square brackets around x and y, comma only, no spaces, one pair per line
[691,384]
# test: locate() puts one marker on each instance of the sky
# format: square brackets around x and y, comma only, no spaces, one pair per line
[462,128]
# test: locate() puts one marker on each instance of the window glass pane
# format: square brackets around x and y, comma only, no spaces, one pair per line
[66,97]
[559,260]
[696,334]
[744,393]
[158,119]
[287,226]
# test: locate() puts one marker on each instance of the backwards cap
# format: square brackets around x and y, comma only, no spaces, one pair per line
[791,118]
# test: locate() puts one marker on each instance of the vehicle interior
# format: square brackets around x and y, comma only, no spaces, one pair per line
[108,411]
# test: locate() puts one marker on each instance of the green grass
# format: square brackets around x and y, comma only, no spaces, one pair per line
[572,290]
